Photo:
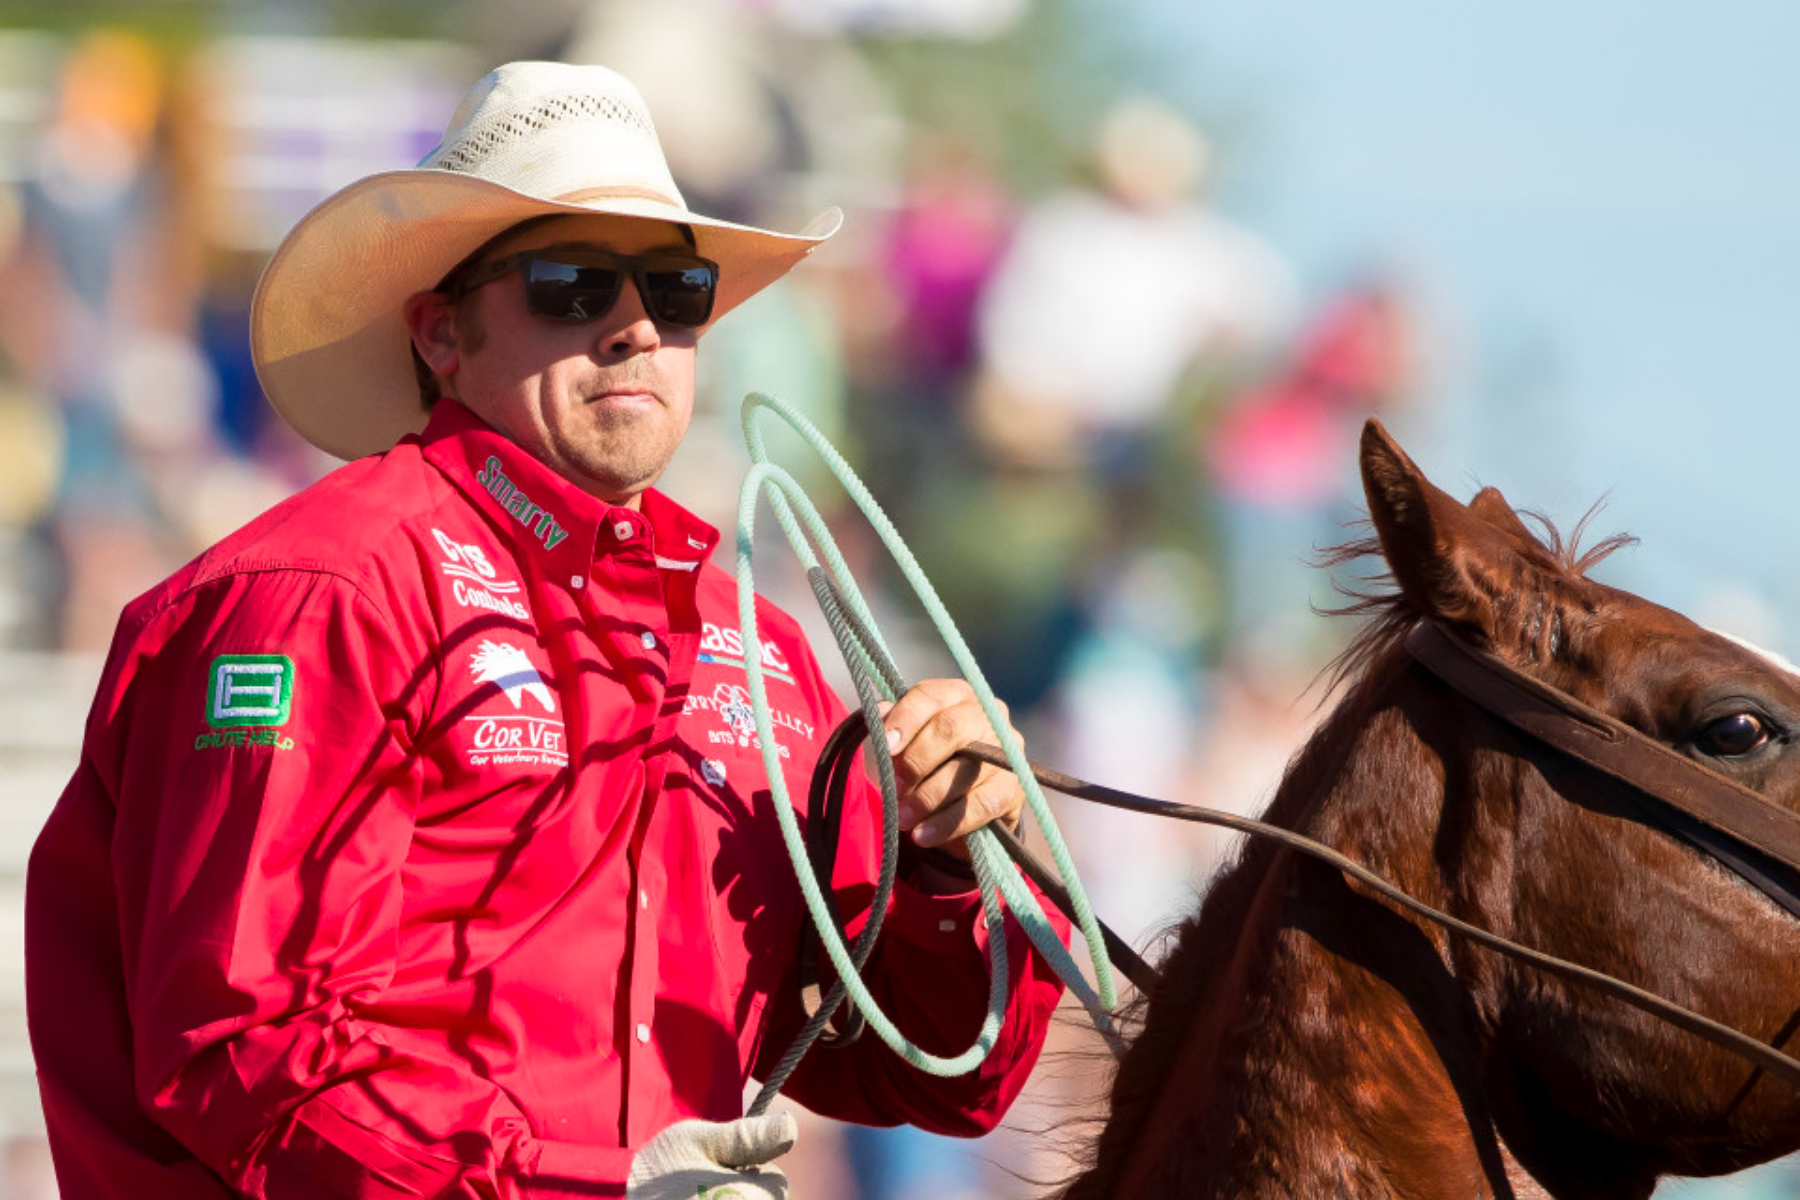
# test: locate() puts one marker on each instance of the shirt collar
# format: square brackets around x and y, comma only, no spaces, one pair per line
[544,514]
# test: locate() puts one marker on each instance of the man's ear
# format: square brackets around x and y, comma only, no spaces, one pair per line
[431,317]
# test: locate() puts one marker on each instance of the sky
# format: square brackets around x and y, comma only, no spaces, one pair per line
[1600,206]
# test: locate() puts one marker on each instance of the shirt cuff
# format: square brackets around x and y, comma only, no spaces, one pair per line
[935,871]
[323,1150]
[574,1169]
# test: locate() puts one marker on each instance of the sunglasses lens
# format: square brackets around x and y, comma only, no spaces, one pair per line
[568,292]
[675,291]
[680,295]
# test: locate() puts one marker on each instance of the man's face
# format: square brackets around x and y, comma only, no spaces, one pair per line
[606,403]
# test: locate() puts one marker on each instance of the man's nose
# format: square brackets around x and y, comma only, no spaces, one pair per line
[628,329]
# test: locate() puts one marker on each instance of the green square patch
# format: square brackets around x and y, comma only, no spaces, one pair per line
[250,689]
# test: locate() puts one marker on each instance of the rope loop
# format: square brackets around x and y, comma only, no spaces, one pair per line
[871,665]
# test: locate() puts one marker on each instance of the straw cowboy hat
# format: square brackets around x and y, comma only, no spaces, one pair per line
[327,331]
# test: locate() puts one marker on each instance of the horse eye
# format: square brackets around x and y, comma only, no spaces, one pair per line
[1732,736]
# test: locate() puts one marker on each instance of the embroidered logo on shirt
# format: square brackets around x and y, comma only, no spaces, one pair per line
[519,738]
[723,645]
[506,665]
[734,705]
[732,702]
[473,580]
[519,506]
[250,689]
[247,697]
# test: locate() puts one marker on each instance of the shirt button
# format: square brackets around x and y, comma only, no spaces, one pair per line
[946,926]
[622,530]
[649,641]
[643,1033]
[643,899]
[577,582]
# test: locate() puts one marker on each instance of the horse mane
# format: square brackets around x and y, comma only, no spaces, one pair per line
[1202,944]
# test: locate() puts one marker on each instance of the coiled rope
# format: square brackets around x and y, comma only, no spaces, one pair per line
[876,679]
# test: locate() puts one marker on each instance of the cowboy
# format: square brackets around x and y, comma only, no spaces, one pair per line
[410,851]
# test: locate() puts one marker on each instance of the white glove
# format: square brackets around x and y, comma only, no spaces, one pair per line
[717,1161]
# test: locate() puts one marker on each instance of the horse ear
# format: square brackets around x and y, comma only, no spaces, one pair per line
[1451,561]
[1492,507]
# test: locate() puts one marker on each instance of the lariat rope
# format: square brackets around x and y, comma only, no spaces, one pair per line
[876,678]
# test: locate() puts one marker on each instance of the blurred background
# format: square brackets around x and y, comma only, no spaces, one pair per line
[1120,282]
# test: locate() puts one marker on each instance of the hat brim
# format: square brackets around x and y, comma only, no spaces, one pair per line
[327,330]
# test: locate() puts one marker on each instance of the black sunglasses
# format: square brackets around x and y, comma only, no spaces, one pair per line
[578,284]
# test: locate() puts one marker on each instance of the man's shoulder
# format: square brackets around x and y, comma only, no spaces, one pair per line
[357,523]
[346,522]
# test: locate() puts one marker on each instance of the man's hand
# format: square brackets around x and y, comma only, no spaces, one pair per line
[943,801]
[714,1160]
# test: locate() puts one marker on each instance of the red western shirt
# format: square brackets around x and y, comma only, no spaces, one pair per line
[420,845]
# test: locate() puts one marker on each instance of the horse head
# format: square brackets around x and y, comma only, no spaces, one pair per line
[1305,1038]
[1595,875]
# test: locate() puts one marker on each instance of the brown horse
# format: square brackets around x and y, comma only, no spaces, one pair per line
[1305,1039]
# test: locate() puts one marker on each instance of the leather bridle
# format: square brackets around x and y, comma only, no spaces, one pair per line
[1758,840]
[1743,831]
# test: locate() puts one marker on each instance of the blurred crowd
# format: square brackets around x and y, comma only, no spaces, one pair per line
[1111,421]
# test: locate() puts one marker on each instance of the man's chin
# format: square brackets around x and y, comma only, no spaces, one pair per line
[616,484]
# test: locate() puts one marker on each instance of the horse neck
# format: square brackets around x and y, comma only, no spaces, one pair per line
[1304,1039]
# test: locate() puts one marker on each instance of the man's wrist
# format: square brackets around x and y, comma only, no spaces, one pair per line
[938,872]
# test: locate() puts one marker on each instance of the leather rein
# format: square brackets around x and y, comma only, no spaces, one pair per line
[1757,840]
